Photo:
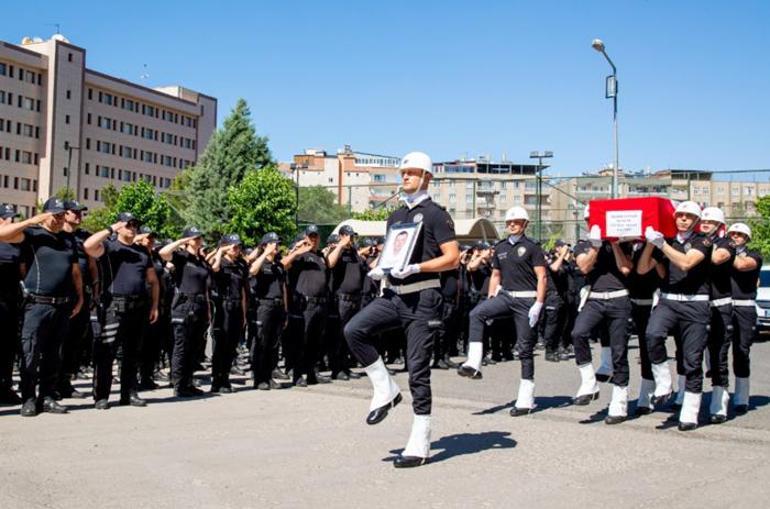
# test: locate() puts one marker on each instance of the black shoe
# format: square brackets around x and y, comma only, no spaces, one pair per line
[318,378]
[147,384]
[391,372]
[409,461]
[279,375]
[340,375]
[601,377]
[661,400]
[518,412]
[440,364]
[378,414]
[263,386]
[449,362]
[643,410]
[29,408]
[226,389]
[585,399]
[615,419]
[102,404]
[687,426]
[9,397]
[563,355]
[195,390]
[469,372]
[718,419]
[187,392]
[276,385]
[236,370]
[353,375]
[51,406]
[300,382]
[539,345]
[490,361]
[551,357]
[133,400]
[516,355]
[741,409]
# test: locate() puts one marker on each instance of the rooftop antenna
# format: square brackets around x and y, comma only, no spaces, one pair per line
[58,27]
[145,75]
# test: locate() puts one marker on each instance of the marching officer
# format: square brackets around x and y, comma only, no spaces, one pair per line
[411,299]
[52,278]
[744,277]
[127,272]
[231,280]
[516,289]
[190,310]
[10,302]
[683,307]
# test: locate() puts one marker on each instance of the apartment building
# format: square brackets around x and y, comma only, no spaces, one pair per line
[63,125]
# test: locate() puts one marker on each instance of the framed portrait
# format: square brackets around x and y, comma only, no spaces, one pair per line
[399,245]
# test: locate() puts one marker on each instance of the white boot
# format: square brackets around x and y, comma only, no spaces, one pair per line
[475,353]
[646,389]
[418,445]
[605,367]
[618,410]
[588,385]
[385,388]
[718,408]
[662,376]
[741,395]
[688,416]
[525,401]
[681,386]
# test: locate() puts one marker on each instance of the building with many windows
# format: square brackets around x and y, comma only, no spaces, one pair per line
[63,125]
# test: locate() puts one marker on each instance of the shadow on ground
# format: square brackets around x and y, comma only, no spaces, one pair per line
[463,444]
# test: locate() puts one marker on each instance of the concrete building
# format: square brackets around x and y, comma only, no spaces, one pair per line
[65,125]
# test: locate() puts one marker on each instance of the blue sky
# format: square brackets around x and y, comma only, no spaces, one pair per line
[453,78]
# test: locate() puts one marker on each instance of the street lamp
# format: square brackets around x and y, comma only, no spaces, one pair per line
[540,156]
[611,92]
[70,148]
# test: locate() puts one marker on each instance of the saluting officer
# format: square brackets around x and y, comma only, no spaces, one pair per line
[10,300]
[52,274]
[517,289]
[190,311]
[683,307]
[231,280]
[156,332]
[410,300]
[744,276]
[555,304]
[126,271]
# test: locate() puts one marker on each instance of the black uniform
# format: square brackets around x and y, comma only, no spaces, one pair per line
[414,312]
[744,292]
[158,333]
[309,301]
[125,306]
[721,332]
[10,301]
[347,282]
[189,315]
[451,289]
[683,309]
[231,282]
[555,306]
[641,289]
[268,290]
[49,258]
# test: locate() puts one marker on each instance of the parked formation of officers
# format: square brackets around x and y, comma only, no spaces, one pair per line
[72,301]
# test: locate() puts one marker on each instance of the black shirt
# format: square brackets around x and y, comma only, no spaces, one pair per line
[310,268]
[721,283]
[348,274]
[269,281]
[125,268]
[10,257]
[437,228]
[49,258]
[557,284]
[77,238]
[450,284]
[641,286]
[516,263]
[744,284]
[231,279]
[370,287]
[692,282]
[191,273]
[605,275]
[479,279]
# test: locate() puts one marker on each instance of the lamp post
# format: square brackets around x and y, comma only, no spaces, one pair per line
[540,156]
[611,92]
[70,148]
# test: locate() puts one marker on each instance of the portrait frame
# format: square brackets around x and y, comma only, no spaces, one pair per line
[399,246]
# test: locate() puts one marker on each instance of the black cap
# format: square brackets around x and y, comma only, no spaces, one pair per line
[230,239]
[332,238]
[367,242]
[559,243]
[346,230]
[7,211]
[270,237]
[379,241]
[481,245]
[146,230]
[191,231]
[74,206]
[464,247]
[127,217]
[311,229]
[54,205]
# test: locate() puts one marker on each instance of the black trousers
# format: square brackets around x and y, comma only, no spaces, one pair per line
[412,313]
[345,310]
[313,312]
[123,329]
[265,329]
[689,321]
[155,337]
[226,334]
[448,331]
[570,315]
[744,334]
[189,323]
[9,339]
[554,316]
[78,339]
[43,331]
[614,313]
[719,341]
[505,306]
[640,314]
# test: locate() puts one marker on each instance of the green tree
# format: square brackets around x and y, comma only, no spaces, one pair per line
[234,150]
[264,201]
[378,214]
[760,227]
[318,205]
[140,199]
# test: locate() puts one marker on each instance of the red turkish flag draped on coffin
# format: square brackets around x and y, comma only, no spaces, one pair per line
[629,217]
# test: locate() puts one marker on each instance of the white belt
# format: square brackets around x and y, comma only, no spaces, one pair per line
[721,302]
[522,295]
[414,287]
[608,295]
[684,298]
[642,302]
[744,303]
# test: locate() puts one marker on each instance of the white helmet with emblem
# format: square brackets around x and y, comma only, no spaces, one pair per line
[688,207]
[514,213]
[740,228]
[713,214]
[417,160]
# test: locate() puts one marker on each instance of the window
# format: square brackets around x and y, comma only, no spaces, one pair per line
[88,169]
[69,57]
[66,119]
[96,194]
[26,157]
[3,69]
[90,94]
[85,193]
[69,94]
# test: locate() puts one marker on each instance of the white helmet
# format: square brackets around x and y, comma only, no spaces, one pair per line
[713,214]
[418,160]
[688,207]
[587,211]
[516,213]
[740,228]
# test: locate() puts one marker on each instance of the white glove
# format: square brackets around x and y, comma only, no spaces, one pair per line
[376,273]
[595,236]
[654,237]
[407,271]
[534,313]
